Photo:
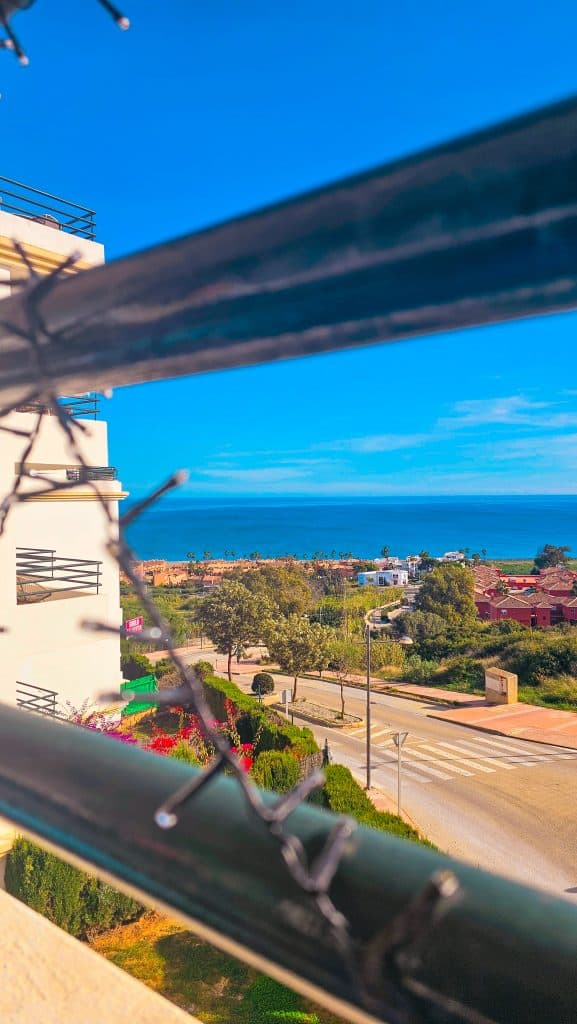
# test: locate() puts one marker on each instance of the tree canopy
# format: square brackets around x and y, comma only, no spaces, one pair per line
[447,591]
[283,586]
[299,646]
[233,617]
[550,555]
[420,625]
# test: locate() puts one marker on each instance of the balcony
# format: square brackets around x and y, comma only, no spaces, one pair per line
[78,407]
[84,474]
[47,209]
[36,698]
[42,575]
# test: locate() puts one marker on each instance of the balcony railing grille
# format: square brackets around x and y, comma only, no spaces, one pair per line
[41,575]
[47,209]
[82,474]
[78,407]
[36,698]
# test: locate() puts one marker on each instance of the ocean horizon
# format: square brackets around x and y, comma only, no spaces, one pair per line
[506,526]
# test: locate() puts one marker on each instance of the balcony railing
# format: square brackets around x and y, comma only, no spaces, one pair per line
[45,208]
[36,698]
[42,575]
[480,230]
[83,474]
[78,407]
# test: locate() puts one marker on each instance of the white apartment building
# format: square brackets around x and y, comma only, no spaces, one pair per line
[55,571]
[383,578]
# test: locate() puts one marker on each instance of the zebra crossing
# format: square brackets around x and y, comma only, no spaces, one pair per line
[427,760]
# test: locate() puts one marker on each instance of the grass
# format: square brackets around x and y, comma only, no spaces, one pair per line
[195,976]
[522,566]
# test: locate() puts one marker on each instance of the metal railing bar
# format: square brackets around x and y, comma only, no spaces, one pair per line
[217,870]
[479,230]
[43,206]
[47,195]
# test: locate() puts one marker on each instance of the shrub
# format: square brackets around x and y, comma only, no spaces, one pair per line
[70,899]
[135,666]
[343,795]
[182,751]
[277,770]
[275,732]
[466,672]
[419,670]
[162,667]
[262,682]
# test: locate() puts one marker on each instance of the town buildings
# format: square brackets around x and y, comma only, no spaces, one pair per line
[55,569]
[539,600]
[383,578]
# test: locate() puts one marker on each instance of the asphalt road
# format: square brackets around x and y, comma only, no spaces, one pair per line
[503,804]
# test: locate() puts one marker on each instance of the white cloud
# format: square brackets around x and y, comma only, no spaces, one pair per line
[513,410]
[262,475]
[374,443]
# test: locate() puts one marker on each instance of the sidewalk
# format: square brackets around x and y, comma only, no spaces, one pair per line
[434,693]
[519,721]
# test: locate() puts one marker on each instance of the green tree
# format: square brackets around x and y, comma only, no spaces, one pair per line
[502,588]
[385,551]
[448,591]
[298,646]
[233,617]
[284,586]
[344,656]
[262,682]
[278,770]
[550,555]
[419,625]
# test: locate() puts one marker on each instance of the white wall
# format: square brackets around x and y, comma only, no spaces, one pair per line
[41,236]
[45,644]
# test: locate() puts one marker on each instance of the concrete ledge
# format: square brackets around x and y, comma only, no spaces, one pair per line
[47,976]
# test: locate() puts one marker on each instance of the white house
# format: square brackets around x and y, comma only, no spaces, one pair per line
[55,570]
[453,556]
[383,578]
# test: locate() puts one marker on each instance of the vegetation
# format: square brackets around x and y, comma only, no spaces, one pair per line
[277,770]
[343,795]
[447,591]
[69,898]
[284,587]
[135,666]
[262,683]
[233,617]
[550,555]
[419,625]
[199,978]
[299,646]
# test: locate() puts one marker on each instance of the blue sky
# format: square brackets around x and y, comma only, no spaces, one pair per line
[209,110]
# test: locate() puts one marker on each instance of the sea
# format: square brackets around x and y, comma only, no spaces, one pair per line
[505,526]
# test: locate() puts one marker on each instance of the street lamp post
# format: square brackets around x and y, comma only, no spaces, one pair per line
[368,712]
[399,739]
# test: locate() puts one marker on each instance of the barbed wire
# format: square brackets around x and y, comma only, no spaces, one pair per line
[379,971]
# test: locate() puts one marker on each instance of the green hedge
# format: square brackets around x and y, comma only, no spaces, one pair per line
[268,1002]
[70,899]
[277,770]
[343,795]
[276,733]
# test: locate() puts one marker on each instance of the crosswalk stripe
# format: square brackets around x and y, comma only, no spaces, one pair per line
[426,768]
[470,748]
[455,757]
[380,732]
[411,774]
[519,751]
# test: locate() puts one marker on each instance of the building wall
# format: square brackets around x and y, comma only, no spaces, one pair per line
[46,248]
[44,644]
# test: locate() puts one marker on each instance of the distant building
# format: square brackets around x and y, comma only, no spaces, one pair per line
[383,578]
[453,556]
[536,601]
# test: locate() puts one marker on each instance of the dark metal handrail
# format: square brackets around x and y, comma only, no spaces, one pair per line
[77,406]
[478,230]
[36,698]
[497,952]
[41,573]
[81,474]
[45,208]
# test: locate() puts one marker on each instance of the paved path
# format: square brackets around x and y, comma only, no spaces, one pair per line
[526,721]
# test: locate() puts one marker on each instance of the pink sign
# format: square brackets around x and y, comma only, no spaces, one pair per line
[133,625]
